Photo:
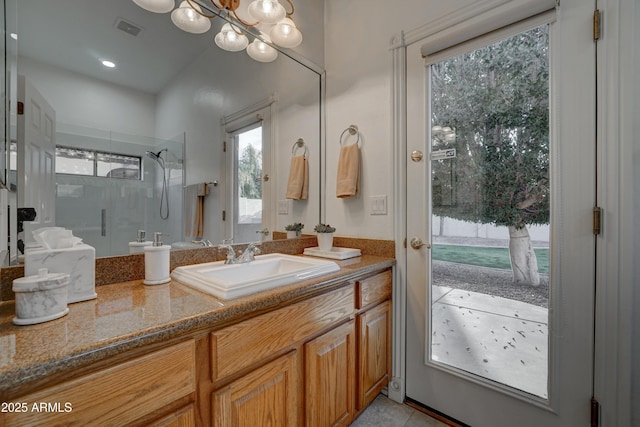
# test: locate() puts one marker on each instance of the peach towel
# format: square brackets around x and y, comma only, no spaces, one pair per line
[348,178]
[298,184]
[194,209]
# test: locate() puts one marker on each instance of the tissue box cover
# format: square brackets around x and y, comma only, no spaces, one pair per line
[78,261]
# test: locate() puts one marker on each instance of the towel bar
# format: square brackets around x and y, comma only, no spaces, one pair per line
[353,130]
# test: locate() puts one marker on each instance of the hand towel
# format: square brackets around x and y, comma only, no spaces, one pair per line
[298,184]
[194,209]
[347,181]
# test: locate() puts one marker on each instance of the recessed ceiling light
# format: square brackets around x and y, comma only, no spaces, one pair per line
[108,64]
[14,36]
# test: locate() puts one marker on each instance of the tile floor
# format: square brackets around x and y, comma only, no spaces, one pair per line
[384,412]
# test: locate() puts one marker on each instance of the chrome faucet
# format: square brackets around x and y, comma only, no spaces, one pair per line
[247,256]
[231,253]
[249,253]
[206,242]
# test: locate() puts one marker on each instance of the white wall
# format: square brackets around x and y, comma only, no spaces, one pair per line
[358,63]
[208,90]
[358,37]
[83,101]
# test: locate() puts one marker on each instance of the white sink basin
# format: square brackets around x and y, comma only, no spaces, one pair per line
[228,281]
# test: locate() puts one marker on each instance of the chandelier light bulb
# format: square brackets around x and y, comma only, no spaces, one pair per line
[261,51]
[156,6]
[286,34]
[229,38]
[267,11]
[187,19]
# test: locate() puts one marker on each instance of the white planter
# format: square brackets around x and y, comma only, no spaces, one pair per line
[293,234]
[325,241]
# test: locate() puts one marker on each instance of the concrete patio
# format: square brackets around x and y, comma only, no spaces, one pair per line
[501,339]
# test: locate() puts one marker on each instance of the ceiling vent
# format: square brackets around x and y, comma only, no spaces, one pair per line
[128,27]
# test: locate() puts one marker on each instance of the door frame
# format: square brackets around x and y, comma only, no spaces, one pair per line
[399,87]
[618,246]
[615,248]
[266,107]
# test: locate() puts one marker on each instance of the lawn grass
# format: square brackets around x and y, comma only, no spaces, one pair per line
[485,256]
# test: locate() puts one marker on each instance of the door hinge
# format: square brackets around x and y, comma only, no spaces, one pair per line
[224,146]
[224,215]
[597,25]
[597,220]
[595,412]
[20,108]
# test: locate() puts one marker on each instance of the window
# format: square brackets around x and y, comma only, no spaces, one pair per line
[79,161]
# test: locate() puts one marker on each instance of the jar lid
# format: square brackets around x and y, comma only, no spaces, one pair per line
[41,281]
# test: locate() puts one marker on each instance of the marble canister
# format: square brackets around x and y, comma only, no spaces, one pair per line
[79,261]
[40,298]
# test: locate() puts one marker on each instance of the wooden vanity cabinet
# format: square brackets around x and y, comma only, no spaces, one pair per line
[316,362]
[374,336]
[341,341]
[129,393]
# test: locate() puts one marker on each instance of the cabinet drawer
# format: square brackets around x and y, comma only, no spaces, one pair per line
[240,346]
[374,289]
[118,395]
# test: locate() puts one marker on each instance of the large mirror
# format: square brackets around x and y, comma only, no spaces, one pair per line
[179,136]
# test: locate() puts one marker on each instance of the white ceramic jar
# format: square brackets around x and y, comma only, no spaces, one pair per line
[41,297]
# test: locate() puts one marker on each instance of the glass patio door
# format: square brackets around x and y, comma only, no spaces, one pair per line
[499,289]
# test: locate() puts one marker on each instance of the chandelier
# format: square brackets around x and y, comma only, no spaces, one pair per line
[269,17]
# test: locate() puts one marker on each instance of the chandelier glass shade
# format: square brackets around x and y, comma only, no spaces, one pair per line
[286,34]
[269,17]
[260,51]
[157,6]
[231,39]
[267,11]
[188,17]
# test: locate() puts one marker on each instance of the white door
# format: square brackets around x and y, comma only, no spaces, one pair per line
[481,350]
[36,156]
[248,147]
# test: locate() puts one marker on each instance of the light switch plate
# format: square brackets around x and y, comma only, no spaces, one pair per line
[378,205]
[283,207]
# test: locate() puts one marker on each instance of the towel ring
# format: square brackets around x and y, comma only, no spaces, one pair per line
[299,144]
[353,130]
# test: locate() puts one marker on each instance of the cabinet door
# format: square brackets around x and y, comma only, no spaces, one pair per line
[330,377]
[375,352]
[265,397]
[184,417]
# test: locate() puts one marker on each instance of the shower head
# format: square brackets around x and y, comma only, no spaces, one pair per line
[155,156]
[152,156]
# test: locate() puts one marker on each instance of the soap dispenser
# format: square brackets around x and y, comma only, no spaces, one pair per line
[156,262]
[137,247]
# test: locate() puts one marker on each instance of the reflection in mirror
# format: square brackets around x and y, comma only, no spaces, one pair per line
[170,94]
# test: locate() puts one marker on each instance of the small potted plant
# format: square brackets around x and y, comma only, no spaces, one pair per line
[325,236]
[294,230]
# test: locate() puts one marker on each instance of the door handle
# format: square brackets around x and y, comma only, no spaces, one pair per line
[416,243]
[103,222]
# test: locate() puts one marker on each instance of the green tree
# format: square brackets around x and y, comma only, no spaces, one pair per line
[250,173]
[492,106]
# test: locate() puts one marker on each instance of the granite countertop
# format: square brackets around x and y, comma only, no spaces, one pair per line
[130,315]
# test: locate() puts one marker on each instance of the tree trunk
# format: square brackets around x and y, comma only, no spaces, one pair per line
[524,263]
